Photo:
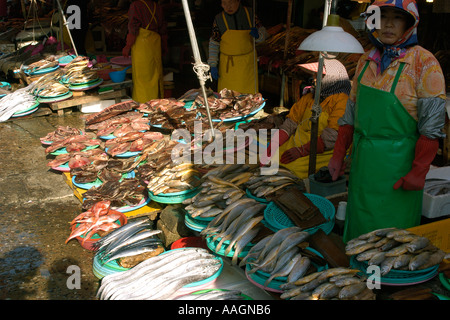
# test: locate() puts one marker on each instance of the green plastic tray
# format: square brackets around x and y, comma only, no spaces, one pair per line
[176,197]
[398,277]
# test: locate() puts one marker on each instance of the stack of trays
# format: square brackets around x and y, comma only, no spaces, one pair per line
[86,86]
[101,270]
[197,223]
[98,182]
[398,277]
[27,111]
[175,197]
[61,97]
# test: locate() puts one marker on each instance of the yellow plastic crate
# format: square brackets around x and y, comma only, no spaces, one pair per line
[437,232]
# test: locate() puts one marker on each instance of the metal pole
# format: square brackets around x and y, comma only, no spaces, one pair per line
[68,30]
[316,110]
[255,70]
[200,68]
[286,42]
[315,119]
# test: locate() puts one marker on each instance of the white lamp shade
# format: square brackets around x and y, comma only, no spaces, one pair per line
[331,39]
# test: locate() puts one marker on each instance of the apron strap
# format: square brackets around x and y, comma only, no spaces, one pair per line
[151,12]
[225,21]
[248,17]
[397,76]
[363,71]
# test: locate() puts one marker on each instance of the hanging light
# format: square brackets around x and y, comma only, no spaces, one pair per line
[330,40]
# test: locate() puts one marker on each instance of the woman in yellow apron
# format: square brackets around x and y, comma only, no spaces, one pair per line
[295,133]
[147,36]
[394,117]
[232,55]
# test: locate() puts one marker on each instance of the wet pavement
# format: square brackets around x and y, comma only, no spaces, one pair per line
[36,206]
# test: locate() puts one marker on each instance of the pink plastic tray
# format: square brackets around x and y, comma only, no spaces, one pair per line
[121,61]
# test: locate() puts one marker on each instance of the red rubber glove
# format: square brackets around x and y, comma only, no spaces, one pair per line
[277,140]
[131,38]
[426,150]
[336,165]
[303,151]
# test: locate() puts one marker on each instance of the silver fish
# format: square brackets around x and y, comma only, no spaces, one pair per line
[345,281]
[164,285]
[377,259]
[284,268]
[300,268]
[243,226]
[322,288]
[276,239]
[133,252]
[386,265]
[402,260]
[255,250]
[367,255]
[419,260]
[114,281]
[417,244]
[242,242]
[352,290]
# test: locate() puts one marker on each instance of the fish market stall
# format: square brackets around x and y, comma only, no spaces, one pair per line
[165,227]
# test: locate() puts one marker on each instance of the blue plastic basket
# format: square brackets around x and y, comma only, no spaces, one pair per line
[398,277]
[276,219]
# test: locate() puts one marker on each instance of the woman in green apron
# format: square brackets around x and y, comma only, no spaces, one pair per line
[394,117]
[232,55]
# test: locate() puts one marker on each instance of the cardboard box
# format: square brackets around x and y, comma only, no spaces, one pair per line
[435,206]
[437,232]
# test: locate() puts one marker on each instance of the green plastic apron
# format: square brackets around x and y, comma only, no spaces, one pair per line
[383,151]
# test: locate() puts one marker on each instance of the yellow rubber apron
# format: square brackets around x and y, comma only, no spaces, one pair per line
[383,150]
[302,136]
[146,62]
[237,60]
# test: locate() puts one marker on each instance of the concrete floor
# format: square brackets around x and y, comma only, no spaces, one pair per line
[36,206]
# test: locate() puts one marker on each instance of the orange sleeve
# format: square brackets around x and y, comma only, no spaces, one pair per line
[298,109]
[336,109]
